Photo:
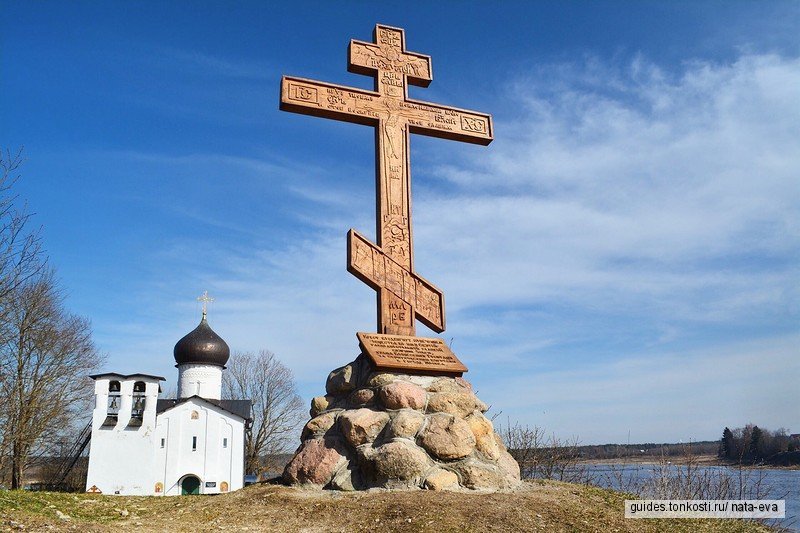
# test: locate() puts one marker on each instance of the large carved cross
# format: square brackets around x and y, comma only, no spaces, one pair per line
[388,266]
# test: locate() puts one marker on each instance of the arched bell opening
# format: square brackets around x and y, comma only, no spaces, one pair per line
[113,397]
[137,408]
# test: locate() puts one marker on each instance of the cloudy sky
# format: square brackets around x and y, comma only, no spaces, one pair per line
[624,257]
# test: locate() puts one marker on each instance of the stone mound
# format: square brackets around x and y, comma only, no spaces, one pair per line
[397,431]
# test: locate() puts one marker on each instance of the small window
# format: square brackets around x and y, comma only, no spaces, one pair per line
[139,386]
[113,386]
[163,441]
[194,443]
[225,443]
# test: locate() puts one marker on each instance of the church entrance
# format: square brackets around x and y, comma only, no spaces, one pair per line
[190,485]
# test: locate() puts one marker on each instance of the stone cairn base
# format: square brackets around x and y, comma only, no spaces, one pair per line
[396,431]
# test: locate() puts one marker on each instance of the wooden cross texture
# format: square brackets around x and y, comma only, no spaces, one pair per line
[387,266]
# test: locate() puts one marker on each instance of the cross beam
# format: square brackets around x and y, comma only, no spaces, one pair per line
[394,116]
[371,265]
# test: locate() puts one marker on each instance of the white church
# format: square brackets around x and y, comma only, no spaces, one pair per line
[193,444]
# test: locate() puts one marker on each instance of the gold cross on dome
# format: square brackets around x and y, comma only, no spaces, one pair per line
[206,299]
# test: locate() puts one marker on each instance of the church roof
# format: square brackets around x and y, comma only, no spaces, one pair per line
[240,408]
[202,346]
[125,376]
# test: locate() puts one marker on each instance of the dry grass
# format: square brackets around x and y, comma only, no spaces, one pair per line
[538,506]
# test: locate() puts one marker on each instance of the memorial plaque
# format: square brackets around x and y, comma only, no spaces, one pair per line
[413,354]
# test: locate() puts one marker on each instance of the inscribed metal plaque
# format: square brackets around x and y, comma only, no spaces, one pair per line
[418,354]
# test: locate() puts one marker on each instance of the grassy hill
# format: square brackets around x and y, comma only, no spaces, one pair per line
[538,506]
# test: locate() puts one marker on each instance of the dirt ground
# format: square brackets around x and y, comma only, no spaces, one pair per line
[537,506]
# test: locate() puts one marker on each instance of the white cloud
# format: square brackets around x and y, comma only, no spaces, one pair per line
[680,192]
[661,397]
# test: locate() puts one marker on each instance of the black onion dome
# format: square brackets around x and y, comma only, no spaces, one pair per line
[202,346]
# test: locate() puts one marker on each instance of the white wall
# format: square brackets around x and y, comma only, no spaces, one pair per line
[211,461]
[200,380]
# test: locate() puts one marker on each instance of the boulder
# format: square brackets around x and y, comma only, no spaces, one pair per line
[488,447]
[476,475]
[484,435]
[347,478]
[402,394]
[320,404]
[362,396]
[318,426]
[460,404]
[441,479]
[456,385]
[447,437]
[480,425]
[422,381]
[464,383]
[509,465]
[315,462]
[405,423]
[341,380]
[400,460]
[377,379]
[362,425]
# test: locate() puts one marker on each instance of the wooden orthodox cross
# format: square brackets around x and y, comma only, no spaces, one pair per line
[387,266]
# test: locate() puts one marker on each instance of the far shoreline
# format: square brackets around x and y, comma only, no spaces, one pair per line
[696,460]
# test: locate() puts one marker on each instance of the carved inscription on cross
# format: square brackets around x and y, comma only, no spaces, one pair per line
[388,266]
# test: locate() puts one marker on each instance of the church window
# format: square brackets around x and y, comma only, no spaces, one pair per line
[194,443]
[163,441]
[225,443]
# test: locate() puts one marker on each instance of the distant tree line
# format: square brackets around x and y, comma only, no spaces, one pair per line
[646,449]
[751,444]
[46,352]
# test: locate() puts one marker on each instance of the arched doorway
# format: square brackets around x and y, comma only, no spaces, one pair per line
[190,485]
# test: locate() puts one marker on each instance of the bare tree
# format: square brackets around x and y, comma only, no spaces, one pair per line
[20,258]
[45,359]
[20,248]
[45,352]
[544,457]
[277,408]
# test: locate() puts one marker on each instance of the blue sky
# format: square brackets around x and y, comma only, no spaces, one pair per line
[623,257]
